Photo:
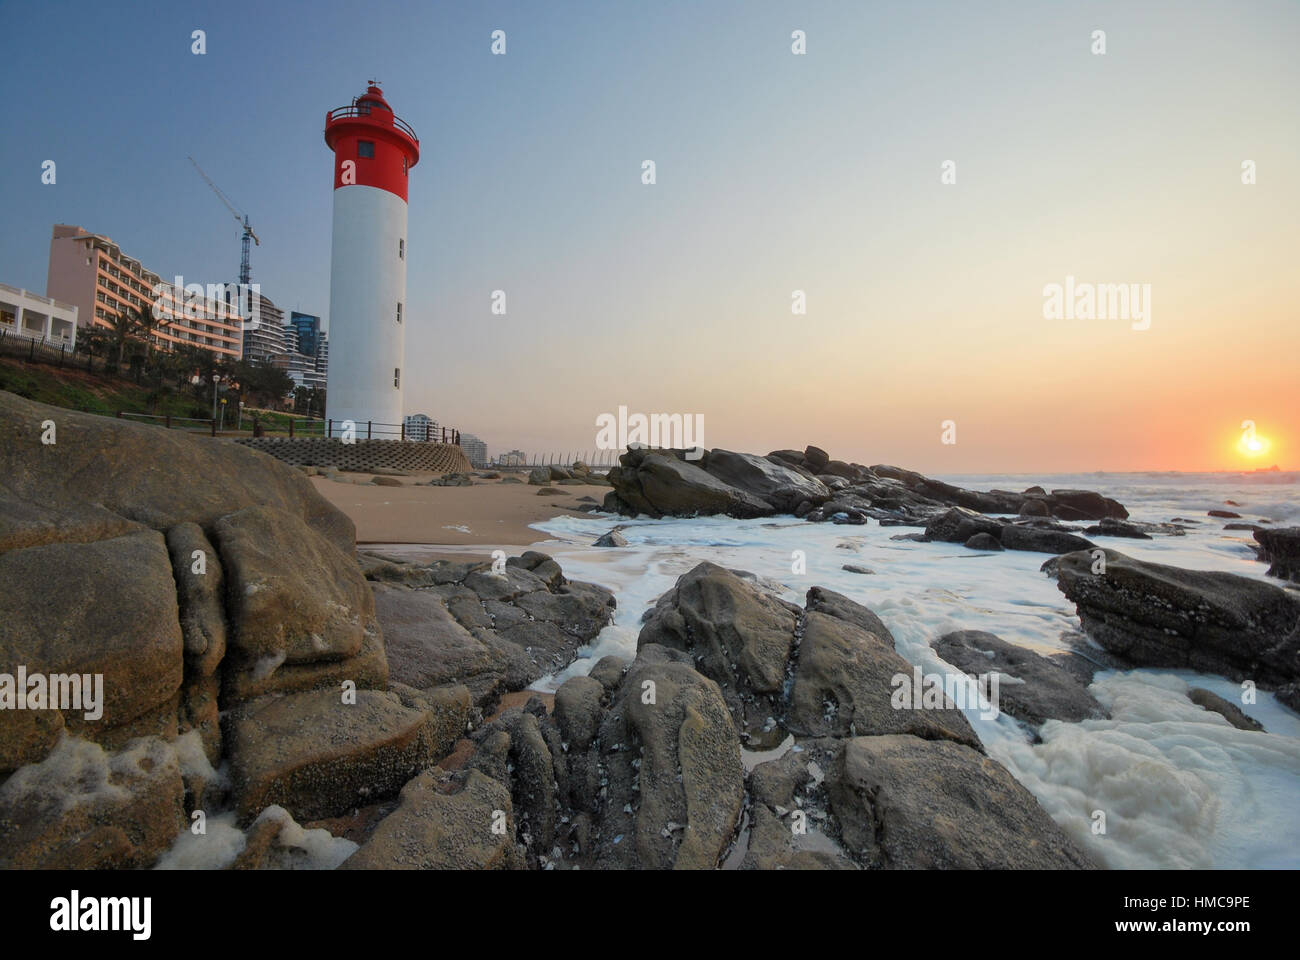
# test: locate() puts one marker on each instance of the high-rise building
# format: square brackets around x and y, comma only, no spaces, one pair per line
[264,336]
[308,328]
[419,426]
[373,154]
[90,271]
[475,449]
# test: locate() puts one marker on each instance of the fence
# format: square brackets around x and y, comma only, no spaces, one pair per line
[191,424]
[15,343]
[372,430]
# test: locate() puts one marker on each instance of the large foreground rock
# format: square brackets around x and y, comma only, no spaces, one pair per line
[907,803]
[102,476]
[106,608]
[85,809]
[317,756]
[444,821]
[1161,616]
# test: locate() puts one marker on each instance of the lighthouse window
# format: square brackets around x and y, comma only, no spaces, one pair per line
[365,148]
[401,248]
[404,166]
[399,312]
[397,376]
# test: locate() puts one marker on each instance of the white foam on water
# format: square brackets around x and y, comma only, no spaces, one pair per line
[1179,785]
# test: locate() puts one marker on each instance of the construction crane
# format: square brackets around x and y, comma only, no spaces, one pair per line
[245,274]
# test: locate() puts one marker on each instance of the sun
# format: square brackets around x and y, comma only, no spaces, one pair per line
[1253,445]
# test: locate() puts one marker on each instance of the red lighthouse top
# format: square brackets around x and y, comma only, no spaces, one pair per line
[372,146]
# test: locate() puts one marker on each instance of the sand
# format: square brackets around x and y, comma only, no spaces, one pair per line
[489,513]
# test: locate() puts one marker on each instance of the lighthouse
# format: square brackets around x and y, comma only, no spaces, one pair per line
[374,152]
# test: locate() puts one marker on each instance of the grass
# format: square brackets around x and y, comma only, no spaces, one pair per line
[106,394]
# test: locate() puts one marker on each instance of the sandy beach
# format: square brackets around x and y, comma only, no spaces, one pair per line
[488,513]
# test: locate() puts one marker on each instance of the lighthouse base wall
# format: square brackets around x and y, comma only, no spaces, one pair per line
[363,456]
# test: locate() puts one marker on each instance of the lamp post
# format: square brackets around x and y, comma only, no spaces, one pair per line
[215,378]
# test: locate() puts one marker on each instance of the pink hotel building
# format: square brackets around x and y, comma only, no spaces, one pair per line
[91,272]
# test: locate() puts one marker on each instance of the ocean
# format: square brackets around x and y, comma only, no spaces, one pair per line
[1179,786]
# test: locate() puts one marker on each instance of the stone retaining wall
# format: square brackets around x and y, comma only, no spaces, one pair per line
[363,455]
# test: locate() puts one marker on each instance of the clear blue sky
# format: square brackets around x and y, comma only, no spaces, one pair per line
[775,173]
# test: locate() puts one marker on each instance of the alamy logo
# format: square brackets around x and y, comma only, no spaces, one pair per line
[55,691]
[679,431]
[192,301]
[1098,301]
[939,691]
[133,914]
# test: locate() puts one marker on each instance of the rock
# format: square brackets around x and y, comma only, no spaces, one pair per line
[514,479]
[843,686]
[1048,691]
[105,477]
[1223,514]
[738,637]
[317,756]
[611,539]
[539,476]
[549,492]
[1033,507]
[906,803]
[608,671]
[1017,537]
[427,647]
[816,459]
[689,774]
[1110,527]
[85,609]
[579,469]
[958,524]
[560,473]
[659,485]
[386,482]
[1084,505]
[1281,548]
[452,480]
[291,596]
[578,709]
[984,541]
[854,568]
[1161,616]
[821,600]
[1224,708]
[200,592]
[444,821]
[1244,526]
[84,809]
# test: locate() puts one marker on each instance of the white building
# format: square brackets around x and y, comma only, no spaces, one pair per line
[34,317]
[475,449]
[420,427]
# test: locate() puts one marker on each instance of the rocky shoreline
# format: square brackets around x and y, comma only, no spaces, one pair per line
[313,705]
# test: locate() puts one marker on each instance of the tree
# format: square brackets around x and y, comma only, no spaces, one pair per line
[147,323]
[123,327]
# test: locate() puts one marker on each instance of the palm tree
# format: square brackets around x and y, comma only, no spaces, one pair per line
[123,327]
[148,323]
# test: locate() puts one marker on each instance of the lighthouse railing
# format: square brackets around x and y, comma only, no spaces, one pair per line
[423,432]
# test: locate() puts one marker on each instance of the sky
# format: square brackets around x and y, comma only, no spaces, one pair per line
[775,173]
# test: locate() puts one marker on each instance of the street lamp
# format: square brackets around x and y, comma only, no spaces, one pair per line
[215,378]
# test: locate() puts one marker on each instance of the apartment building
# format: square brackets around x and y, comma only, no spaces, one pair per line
[91,272]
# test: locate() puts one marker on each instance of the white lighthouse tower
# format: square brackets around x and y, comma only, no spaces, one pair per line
[373,155]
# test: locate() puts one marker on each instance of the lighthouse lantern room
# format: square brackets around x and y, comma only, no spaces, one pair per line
[374,152]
